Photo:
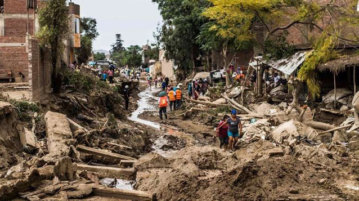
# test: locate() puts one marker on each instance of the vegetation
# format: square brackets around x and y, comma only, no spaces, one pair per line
[84,82]
[53,20]
[88,34]
[182,25]
[99,56]
[23,108]
[130,56]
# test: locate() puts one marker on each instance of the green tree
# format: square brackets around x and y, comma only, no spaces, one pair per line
[134,56]
[118,46]
[53,20]
[182,23]
[88,34]
[99,56]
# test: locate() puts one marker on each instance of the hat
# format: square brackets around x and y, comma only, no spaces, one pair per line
[126,86]
[234,112]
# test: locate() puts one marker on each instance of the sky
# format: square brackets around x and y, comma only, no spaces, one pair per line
[135,20]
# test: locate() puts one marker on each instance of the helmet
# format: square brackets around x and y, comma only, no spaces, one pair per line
[234,112]
[126,87]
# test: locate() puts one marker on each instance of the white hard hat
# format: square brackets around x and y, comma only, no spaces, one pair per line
[126,86]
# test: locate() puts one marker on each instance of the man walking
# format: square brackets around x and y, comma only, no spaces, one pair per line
[172,98]
[126,96]
[163,103]
[178,98]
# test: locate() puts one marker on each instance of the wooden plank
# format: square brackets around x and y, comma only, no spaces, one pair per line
[122,194]
[119,146]
[103,153]
[108,172]
[127,163]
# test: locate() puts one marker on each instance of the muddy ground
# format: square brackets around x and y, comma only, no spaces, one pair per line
[175,159]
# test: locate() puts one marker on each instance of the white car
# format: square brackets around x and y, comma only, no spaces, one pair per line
[218,74]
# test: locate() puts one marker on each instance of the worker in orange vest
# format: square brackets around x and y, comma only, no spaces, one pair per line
[178,98]
[163,103]
[172,98]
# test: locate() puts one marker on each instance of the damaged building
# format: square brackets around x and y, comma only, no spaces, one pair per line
[21,60]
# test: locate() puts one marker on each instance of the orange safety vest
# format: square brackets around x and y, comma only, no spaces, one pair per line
[163,102]
[178,94]
[171,95]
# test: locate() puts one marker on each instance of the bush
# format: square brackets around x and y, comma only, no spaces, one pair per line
[24,108]
[83,82]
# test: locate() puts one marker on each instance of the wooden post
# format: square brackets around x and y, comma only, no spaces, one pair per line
[354,80]
[335,90]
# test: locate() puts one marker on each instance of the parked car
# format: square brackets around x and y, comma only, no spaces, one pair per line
[218,75]
[103,63]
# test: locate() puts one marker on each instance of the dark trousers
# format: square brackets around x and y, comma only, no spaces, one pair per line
[178,104]
[126,103]
[163,110]
[110,79]
[172,105]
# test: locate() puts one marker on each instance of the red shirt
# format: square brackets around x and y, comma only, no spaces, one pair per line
[223,130]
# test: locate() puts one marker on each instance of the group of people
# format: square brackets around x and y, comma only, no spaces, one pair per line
[105,75]
[172,98]
[229,130]
[197,87]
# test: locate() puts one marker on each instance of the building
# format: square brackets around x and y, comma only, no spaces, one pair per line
[20,58]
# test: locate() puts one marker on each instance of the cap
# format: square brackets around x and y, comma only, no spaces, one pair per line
[234,112]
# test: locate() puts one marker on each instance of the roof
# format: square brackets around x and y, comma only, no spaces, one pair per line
[286,65]
[340,64]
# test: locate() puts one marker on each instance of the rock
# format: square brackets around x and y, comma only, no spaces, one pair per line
[58,133]
[322,181]
[64,169]
[28,138]
[291,130]
[283,105]
[344,108]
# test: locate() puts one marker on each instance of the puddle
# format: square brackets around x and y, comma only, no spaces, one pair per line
[143,106]
[120,183]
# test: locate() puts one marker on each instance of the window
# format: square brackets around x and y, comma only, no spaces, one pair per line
[32,4]
[77,25]
[1,6]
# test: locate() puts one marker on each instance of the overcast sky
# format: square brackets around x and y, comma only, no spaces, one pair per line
[136,20]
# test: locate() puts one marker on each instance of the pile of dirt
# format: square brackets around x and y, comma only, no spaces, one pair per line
[269,173]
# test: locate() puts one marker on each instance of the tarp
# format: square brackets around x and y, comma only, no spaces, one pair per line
[286,66]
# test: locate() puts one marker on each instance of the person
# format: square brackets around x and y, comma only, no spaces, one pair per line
[167,80]
[99,71]
[163,85]
[104,76]
[110,75]
[178,98]
[189,89]
[163,103]
[234,129]
[222,131]
[126,96]
[149,81]
[156,81]
[172,98]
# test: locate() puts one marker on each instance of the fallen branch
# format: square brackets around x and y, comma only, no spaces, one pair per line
[335,129]
[237,105]
[319,125]
[205,103]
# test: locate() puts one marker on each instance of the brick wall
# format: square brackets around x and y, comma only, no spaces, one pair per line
[18,27]
[15,60]
[40,71]
[16,7]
